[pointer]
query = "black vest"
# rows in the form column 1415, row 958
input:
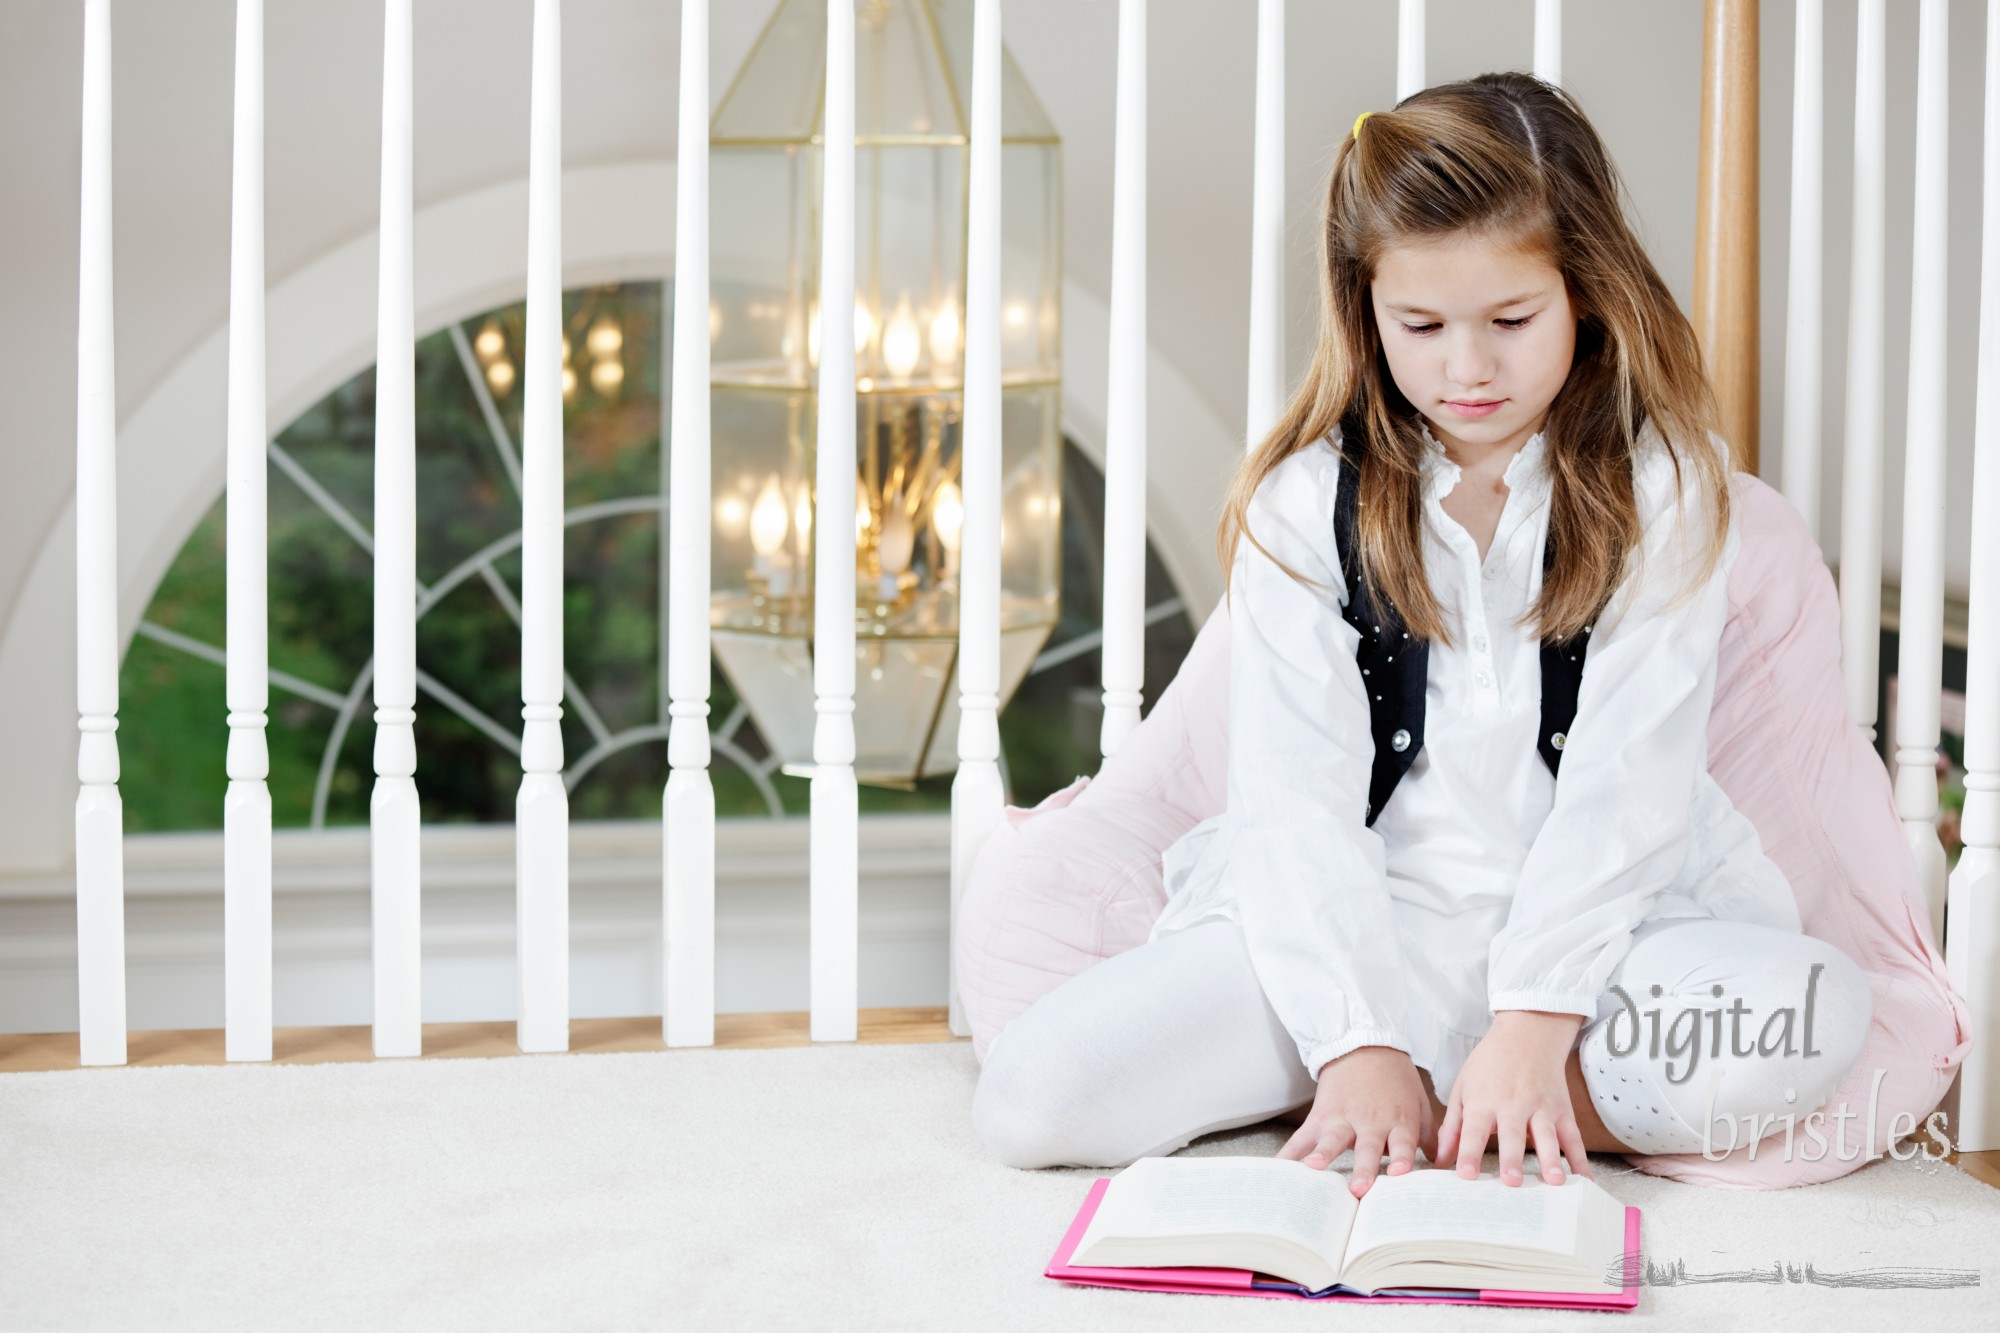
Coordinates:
column 1394, row 666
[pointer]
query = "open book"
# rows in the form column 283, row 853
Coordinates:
column 1423, row 1230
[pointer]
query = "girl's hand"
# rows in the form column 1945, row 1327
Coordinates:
column 1512, row 1084
column 1369, row 1100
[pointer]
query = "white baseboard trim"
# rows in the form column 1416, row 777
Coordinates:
column 320, row 931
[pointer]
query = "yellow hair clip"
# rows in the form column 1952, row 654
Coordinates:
column 1356, row 131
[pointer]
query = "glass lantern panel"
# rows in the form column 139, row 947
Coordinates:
column 1031, row 498
column 902, row 77
column 1021, row 641
column 761, row 520
column 779, row 92
column 1031, row 261
column 909, row 265
column 773, row 679
column 899, row 689
column 760, row 263
column 1021, row 114
column 913, row 68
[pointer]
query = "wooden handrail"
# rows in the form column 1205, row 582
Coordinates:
column 1725, row 236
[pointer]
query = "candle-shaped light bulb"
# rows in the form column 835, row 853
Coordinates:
column 802, row 516
column 948, row 515
column 490, row 342
column 767, row 519
column 714, row 322
column 605, row 337
column 864, row 325
column 901, row 343
column 731, row 514
column 899, row 540
column 944, row 331
column 864, row 518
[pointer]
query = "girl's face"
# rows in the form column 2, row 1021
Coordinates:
column 1479, row 335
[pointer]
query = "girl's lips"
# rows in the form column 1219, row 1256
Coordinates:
column 1475, row 409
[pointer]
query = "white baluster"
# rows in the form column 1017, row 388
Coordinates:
column 1124, row 664
column 1861, row 501
column 1409, row 47
column 977, row 795
column 835, row 831
column 541, row 811
column 1805, row 276
column 1549, row 41
column 688, row 1005
column 100, row 815
column 394, row 818
column 1972, row 948
column 246, row 810
column 1267, row 229
column 1920, row 608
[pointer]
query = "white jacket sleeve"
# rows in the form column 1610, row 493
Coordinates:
column 1618, row 832
column 1307, row 875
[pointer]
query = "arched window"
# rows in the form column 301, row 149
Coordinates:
column 171, row 731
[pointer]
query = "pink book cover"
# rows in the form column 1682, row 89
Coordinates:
column 1242, row 1281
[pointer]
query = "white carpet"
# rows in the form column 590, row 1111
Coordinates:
column 826, row 1187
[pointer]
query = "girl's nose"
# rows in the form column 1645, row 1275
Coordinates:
column 1469, row 362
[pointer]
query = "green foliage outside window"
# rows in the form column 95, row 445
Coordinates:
column 172, row 733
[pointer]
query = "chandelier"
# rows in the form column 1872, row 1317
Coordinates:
column 913, row 58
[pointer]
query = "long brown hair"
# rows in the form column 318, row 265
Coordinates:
column 1509, row 156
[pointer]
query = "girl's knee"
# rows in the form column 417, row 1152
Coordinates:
column 1027, row 1107
column 1841, row 1006
column 1812, row 1006
column 1757, row 1030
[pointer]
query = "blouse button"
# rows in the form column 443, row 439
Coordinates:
column 1558, row 740
column 1483, row 679
column 1479, row 642
column 1493, row 571
column 1401, row 740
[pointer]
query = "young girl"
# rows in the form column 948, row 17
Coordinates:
column 1405, row 932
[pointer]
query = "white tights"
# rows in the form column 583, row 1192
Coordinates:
column 1145, row 1051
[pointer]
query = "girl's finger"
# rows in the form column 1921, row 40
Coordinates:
column 1301, row 1141
column 1402, row 1148
column 1368, row 1145
column 1542, row 1127
column 1427, row 1142
column 1336, row 1139
column 1447, row 1139
column 1471, row 1150
column 1571, row 1139
column 1513, row 1146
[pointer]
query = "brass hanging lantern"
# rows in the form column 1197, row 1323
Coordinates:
column 913, row 58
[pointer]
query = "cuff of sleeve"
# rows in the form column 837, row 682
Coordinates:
column 1316, row 1057
column 1547, row 1001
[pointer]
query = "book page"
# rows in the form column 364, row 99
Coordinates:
column 1203, row 1195
column 1434, row 1205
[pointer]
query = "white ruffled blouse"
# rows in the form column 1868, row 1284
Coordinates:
column 1484, row 884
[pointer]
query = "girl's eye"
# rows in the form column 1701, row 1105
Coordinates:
column 1422, row 330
